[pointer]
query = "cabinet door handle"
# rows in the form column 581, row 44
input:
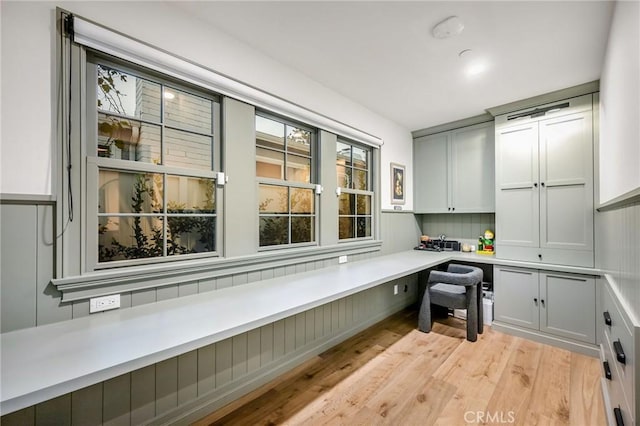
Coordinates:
column 542, row 301
column 535, row 185
column 607, row 370
column 617, row 412
column 541, row 183
column 535, row 300
column 607, row 317
column 539, row 256
column 620, row 356
column 453, row 209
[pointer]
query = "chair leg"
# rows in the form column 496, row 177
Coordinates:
column 424, row 318
column 472, row 313
column 480, row 308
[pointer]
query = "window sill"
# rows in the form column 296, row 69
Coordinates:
column 104, row 282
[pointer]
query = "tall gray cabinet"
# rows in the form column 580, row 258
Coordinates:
column 453, row 171
column 544, row 184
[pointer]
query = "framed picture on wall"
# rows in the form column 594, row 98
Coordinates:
column 397, row 183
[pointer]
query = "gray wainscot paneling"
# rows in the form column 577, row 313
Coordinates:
column 467, row 226
column 184, row 388
column 26, row 268
column 400, row 231
column 618, row 250
column 187, row 387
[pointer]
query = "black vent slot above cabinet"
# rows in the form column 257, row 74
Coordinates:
column 537, row 112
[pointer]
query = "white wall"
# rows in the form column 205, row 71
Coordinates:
column 29, row 83
column 620, row 104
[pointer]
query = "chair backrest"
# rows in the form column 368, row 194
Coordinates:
column 457, row 274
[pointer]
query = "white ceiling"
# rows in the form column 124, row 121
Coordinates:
column 382, row 54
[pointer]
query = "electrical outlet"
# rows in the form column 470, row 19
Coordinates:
column 104, row 303
column 342, row 259
column 395, row 289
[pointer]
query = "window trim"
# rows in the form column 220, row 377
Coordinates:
column 314, row 180
column 93, row 163
column 372, row 191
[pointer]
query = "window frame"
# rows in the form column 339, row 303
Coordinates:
column 371, row 191
column 95, row 163
column 314, row 181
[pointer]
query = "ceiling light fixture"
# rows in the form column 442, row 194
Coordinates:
column 476, row 68
column 473, row 65
column 448, row 28
column 168, row 95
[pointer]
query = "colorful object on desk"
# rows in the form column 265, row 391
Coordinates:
column 485, row 243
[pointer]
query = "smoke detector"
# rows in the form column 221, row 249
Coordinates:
column 448, row 28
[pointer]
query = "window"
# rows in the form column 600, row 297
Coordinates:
column 285, row 173
column 151, row 147
column 353, row 165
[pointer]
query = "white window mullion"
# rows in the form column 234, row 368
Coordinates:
column 136, row 166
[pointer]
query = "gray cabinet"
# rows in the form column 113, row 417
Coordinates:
column 554, row 303
column 516, row 297
column 454, row 171
column 544, row 186
column 431, row 173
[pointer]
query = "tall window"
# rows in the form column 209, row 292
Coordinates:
column 150, row 146
column 353, row 165
column 285, row 172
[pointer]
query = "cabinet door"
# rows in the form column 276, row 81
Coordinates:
column 472, row 169
column 517, row 189
column 515, row 292
column 567, row 306
column 431, row 158
column 566, row 183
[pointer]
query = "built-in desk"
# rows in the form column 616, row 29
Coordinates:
column 44, row 362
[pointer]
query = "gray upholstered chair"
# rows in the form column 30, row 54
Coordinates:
column 460, row 287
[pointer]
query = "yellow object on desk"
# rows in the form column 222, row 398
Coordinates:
column 485, row 252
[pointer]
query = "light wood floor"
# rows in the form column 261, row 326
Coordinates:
column 392, row 374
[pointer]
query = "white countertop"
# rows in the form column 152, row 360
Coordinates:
column 41, row 363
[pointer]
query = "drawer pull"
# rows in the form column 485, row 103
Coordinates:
column 618, row 413
column 607, row 370
column 617, row 346
column 607, row 317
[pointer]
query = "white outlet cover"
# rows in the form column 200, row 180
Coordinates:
column 342, row 259
column 104, row 303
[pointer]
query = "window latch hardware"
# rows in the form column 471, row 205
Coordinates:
column 221, row 179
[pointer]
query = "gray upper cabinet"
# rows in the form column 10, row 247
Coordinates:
column 454, row 171
column 431, row 171
column 544, row 186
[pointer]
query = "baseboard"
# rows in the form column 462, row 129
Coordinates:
column 571, row 345
column 218, row 398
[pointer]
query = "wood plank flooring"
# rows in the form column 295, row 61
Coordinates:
column 392, row 374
